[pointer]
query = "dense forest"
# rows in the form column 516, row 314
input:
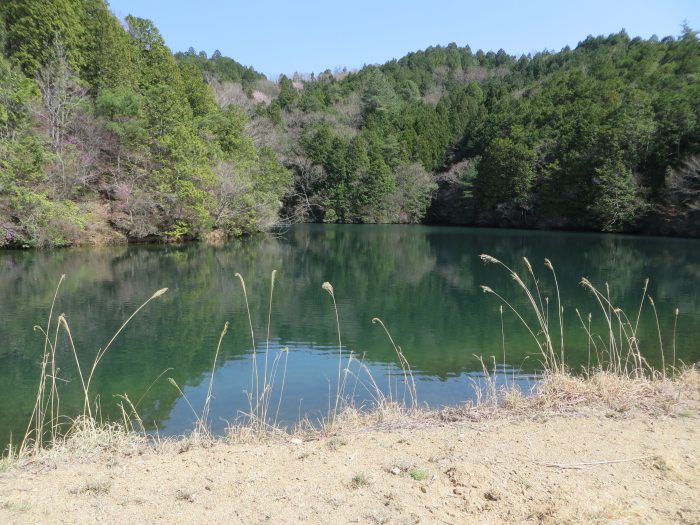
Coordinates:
column 107, row 136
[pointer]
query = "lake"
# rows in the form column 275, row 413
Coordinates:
column 423, row 282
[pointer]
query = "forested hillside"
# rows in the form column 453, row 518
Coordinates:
column 602, row 137
column 106, row 136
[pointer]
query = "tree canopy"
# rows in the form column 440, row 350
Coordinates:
column 105, row 134
column 597, row 137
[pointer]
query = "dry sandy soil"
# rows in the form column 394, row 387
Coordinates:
column 594, row 467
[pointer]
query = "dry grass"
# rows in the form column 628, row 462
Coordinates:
column 617, row 380
column 617, row 350
column 557, row 394
column 359, row 481
column 94, row 487
column 48, row 427
column 606, row 390
column 570, row 469
column 599, row 392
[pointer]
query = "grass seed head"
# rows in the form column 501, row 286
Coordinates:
column 488, row 259
column 159, row 293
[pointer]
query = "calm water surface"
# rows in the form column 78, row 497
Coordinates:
column 423, row 282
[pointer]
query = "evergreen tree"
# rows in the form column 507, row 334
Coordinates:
column 35, row 27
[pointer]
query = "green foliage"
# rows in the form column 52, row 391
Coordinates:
column 23, row 160
column 45, row 223
column 113, row 114
column 618, row 203
column 565, row 139
column 16, row 94
column 605, row 136
column 28, row 216
column 35, row 26
column 248, row 195
column 223, row 68
column 288, row 96
column 122, row 108
column 378, row 95
column 506, row 174
column 182, row 181
column 230, row 132
column 377, row 185
column 408, row 91
column 110, row 53
column 273, row 111
column 271, row 179
column 418, row 474
column 198, row 94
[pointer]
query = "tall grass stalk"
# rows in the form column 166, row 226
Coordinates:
column 621, row 348
column 560, row 308
column 207, row 401
column 549, row 358
column 45, row 426
column 128, row 416
column 408, row 379
column 36, row 420
column 254, row 382
column 617, row 355
column 675, row 325
column 261, row 393
column 328, row 287
column 503, row 340
column 266, row 401
column 101, row 353
column 661, row 342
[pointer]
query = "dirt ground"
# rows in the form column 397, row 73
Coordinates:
column 591, row 468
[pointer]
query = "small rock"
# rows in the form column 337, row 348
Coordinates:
column 492, row 495
column 296, row 441
column 396, row 471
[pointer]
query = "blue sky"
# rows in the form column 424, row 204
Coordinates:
column 280, row 36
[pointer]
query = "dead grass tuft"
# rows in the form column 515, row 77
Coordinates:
column 385, row 415
column 617, row 379
column 185, row 495
column 359, row 481
column 93, row 487
column 563, row 392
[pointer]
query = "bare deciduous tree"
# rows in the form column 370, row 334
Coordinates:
column 62, row 98
column 230, row 192
column 414, row 190
column 683, row 185
column 231, row 93
column 305, row 201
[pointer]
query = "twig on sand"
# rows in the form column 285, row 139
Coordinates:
column 590, row 463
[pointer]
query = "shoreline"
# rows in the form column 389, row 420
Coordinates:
column 114, row 237
column 601, row 450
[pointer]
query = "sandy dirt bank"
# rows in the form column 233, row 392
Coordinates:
column 587, row 468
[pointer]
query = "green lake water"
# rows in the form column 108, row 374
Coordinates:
column 423, row 282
